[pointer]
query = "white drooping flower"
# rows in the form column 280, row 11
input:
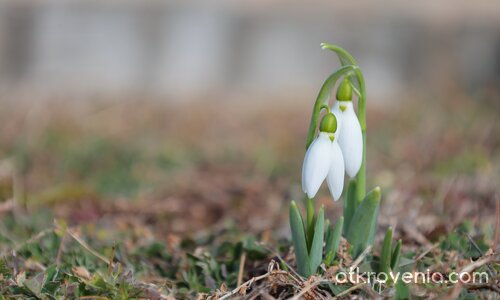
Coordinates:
column 350, row 138
column 324, row 160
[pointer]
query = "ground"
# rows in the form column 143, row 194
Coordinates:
column 138, row 199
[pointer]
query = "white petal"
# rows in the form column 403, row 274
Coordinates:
column 316, row 164
column 350, row 138
column 303, row 169
column 335, row 178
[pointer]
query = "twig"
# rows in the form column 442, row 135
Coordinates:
column 61, row 248
column 467, row 269
column 242, row 268
column 478, row 263
column 481, row 286
column 416, row 235
column 490, row 270
column 306, row 289
column 426, row 252
column 361, row 257
column 351, row 289
column 248, row 283
column 283, row 261
column 87, row 247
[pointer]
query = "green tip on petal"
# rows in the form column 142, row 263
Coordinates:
column 344, row 91
column 328, row 123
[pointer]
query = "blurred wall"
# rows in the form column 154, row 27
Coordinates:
column 188, row 48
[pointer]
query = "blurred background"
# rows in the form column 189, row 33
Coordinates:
column 187, row 114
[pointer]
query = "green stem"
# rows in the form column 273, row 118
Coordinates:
column 346, row 59
column 323, row 97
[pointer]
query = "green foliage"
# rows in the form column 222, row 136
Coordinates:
column 310, row 257
column 202, row 265
column 333, row 240
column 350, row 204
column 386, row 253
column 458, row 240
column 316, row 250
column 402, row 290
column 360, row 229
column 396, row 255
column 299, row 240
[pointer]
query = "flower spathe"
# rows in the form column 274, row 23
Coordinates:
column 350, row 138
column 323, row 160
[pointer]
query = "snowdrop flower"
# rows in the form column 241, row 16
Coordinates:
column 350, row 138
column 324, row 160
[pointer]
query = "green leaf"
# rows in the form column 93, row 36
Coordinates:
column 350, row 204
column 386, row 252
column 361, row 225
column 396, row 255
column 299, row 241
column 332, row 243
column 5, row 271
column 402, row 290
column 373, row 227
column 316, row 253
column 309, row 226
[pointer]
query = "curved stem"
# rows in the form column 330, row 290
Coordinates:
column 347, row 59
column 323, row 96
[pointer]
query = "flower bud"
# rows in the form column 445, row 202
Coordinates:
column 328, row 123
column 344, row 91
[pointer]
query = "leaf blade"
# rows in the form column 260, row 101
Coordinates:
column 333, row 241
column 361, row 225
column 386, row 252
column 299, row 240
column 316, row 253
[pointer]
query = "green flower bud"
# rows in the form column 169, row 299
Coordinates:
column 344, row 91
column 328, row 123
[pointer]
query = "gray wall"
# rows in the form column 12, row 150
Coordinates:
column 185, row 48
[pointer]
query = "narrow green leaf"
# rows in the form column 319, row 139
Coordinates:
column 332, row 243
column 385, row 253
column 350, row 204
column 328, row 229
column 299, row 241
column 316, row 253
column 309, row 227
column 373, row 227
column 362, row 221
column 402, row 290
column 395, row 255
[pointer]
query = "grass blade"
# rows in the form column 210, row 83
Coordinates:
column 332, row 243
column 373, row 226
column 316, row 253
column 299, row 241
column 386, row 252
column 395, row 255
column 402, row 290
column 360, row 228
